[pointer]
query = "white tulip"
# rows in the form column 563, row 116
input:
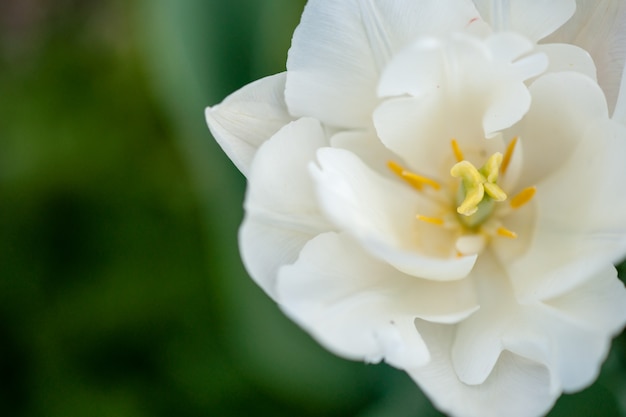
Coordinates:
column 439, row 184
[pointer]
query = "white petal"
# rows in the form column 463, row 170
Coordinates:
column 598, row 304
column 281, row 209
column 366, row 145
column 564, row 57
column 340, row 47
column 598, row 27
column 463, row 88
column 381, row 215
column 361, row 308
column 517, row 387
column 534, row 18
column 580, row 226
column 563, row 105
column 619, row 114
column 582, row 323
column 249, row 117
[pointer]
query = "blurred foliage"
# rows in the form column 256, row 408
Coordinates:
column 121, row 290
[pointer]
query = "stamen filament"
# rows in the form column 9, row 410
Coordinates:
column 504, row 232
column 508, row 154
column 432, row 220
column 523, row 197
column 416, row 181
column 458, row 153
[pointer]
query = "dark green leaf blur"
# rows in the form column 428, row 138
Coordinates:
column 121, row 289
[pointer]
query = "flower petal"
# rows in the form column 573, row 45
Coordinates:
column 597, row 26
column 565, row 57
column 361, row 308
column 534, row 18
column 249, row 117
column 563, row 106
column 340, row 47
column 381, row 215
column 517, row 387
column 572, row 240
column 581, row 324
column 462, row 88
column 281, row 209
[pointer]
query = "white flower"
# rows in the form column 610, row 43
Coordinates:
column 432, row 185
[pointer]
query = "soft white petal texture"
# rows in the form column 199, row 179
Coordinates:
column 462, row 88
column 249, row 117
column 565, row 57
column 563, row 105
column 380, row 214
column 598, row 27
column 281, row 209
column 619, row 114
column 574, row 237
column 557, row 333
column 534, row 18
column 362, row 308
column 517, row 387
column 340, row 47
column 367, row 146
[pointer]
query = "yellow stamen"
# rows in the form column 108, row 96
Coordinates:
column 458, row 154
column 416, row 181
column 432, row 220
column 523, row 197
column 504, row 232
column 477, row 183
column 508, row 154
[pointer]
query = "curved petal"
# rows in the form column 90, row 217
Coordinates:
column 535, row 19
column 340, row 47
column 581, row 324
column 563, row 106
column 367, row 146
column 517, row 387
column 462, row 88
column 381, row 215
column 598, row 27
column 361, row 308
column 572, row 238
column 564, row 57
column 282, row 213
column 249, row 117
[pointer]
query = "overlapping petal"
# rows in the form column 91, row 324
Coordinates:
column 249, row 117
column 363, row 308
column 380, row 214
column 598, row 27
column 282, row 213
column 534, row 18
column 340, row 48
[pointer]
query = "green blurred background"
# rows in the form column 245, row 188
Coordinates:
column 121, row 289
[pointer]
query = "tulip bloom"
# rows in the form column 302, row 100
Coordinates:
column 439, row 184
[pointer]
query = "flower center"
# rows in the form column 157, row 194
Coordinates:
column 474, row 220
column 478, row 191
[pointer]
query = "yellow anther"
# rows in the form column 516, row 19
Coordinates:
column 508, row 154
column 504, row 232
column 523, row 197
column 458, row 154
column 432, row 220
column 416, row 181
